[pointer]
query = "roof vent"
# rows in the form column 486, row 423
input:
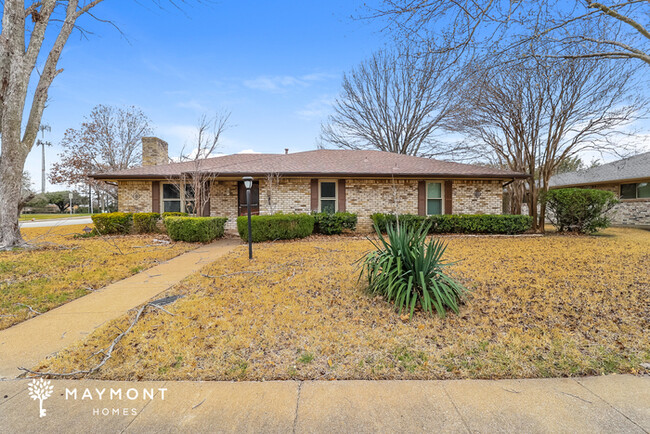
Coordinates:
column 286, row 151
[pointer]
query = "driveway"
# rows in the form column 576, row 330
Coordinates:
column 68, row 221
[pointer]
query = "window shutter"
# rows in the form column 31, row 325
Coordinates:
column 422, row 198
column 341, row 194
column 314, row 194
column 155, row 196
column 448, row 191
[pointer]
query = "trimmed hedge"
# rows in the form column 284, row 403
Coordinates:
column 579, row 209
column 276, row 227
column 174, row 214
column 331, row 224
column 195, row 229
column 460, row 223
column 146, row 222
column 113, row 223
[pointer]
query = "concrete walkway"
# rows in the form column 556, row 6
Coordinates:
column 618, row 403
column 46, row 223
column 29, row 342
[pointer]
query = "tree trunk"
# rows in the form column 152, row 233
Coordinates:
column 10, row 189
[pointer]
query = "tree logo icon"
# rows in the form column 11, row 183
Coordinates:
column 40, row 389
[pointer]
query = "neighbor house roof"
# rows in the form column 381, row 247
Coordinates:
column 321, row 162
column 636, row 167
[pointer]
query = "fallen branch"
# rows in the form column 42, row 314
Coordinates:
column 34, row 311
column 107, row 354
column 268, row 270
column 234, row 274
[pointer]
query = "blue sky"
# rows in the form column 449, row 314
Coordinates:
column 276, row 65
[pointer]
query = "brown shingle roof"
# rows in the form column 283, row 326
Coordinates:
column 322, row 162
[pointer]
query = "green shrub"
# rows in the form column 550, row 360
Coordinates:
column 146, row 222
column 409, row 220
column 408, row 271
column 330, row 224
column 459, row 224
column 195, row 229
column 276, row 227
column 113, row 223
column 174, row 214
column 579, row 209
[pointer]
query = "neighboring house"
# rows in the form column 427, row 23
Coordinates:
column 361, row 182
column 628, row 178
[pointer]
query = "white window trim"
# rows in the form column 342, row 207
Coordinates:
column 336, row 194
column 442, row 196
column 181, row 186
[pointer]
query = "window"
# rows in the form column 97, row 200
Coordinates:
column 328, row 197
column 635, row 191
column 171, row 198
column 434, row 198
column 178, row 200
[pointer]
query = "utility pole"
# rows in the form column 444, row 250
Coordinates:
column 43, row 144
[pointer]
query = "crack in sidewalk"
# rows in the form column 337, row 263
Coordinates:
column 295, row 419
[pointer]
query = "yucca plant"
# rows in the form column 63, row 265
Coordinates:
column 408, row 270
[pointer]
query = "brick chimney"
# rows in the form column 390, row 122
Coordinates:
column 154, row 151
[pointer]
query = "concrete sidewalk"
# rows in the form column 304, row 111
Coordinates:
column 45, row 223
column 617, row 403
column 29, row 342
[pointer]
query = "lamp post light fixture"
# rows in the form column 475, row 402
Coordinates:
column 248, row 183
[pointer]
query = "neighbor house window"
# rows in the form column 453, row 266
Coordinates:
column 328, row 196
column 639, row 190
column 176, row 199
column 434, row 198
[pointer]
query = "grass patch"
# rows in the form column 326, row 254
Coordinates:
column 539, row 307
column 64, row 268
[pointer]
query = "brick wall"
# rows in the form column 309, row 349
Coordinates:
column 224, row 201
column 365, row 197
column 134, row 196
column 477, row 197
column 289, row 195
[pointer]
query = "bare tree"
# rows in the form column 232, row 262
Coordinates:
column 396, row 101
column 535, row 115
column 272, row 186
column 468, row 25
column 209, row 131
column 109, row 139
column 22, row 44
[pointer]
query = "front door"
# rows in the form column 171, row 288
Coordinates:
column 255, row 198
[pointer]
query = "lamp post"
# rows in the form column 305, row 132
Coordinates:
column 248, row 183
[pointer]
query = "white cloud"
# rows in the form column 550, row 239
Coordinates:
column 316, row 109
column 192, row 104
column 281, row 83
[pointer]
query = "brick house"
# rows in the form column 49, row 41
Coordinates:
column 628, row 178
column 362, row 182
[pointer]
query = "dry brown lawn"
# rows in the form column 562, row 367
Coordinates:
column 540, row 307
column 62, row 268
